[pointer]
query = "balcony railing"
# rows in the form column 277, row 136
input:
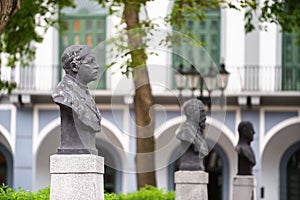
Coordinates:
column 242, row 79
column 260, row 78
column 43, row 78
column 38, row 78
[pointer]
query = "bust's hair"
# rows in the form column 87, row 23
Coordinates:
column 73, row 55
column 193, row 106
column 243, row 127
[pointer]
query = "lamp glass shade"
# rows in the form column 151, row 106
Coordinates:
column 223, row 81
column 211, row 83
column 223, row 77
column 180, row 81
column 193, row 80
column 210, row 80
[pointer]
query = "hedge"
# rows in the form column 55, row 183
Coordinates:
column 146, row 193
column 7, row 193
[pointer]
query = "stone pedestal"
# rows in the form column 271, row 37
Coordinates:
column 76, row 176
column 244, row 187
column 191, row 185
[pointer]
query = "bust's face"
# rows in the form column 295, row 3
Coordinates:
column 88, row 70
column 250, row 133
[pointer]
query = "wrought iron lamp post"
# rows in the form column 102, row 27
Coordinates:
column 224, row 76
column 212, row 80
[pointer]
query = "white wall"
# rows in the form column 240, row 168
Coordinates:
column 271, row 157
column 46, row 60
column 233, row 45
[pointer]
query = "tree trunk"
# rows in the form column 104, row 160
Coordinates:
column 143, row 101
column 7, row 9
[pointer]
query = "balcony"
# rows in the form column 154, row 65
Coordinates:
column 249, row 81
column 257, row 78
column 37, row 79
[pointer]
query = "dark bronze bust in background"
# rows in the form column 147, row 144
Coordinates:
column 80, row 117
column 191, row 135
column 246, row 156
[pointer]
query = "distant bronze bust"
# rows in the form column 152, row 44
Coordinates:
column 80, row 117
column 191, row 135
column 246, row 156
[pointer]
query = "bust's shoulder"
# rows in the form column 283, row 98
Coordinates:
column 64, row 91
column 187, row 126
column 186, row 131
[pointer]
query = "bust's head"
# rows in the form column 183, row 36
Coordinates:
column 246, row 131
column 79, row 62
column 194, row 110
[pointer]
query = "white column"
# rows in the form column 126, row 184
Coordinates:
column 76, row 177
column 191, row 185
column 244, row 187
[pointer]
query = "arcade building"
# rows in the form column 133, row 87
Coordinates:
column 263, row 87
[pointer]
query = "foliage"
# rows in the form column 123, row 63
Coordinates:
column 110, row 196
column 184, row 10
column 146, row 193
column 27, row 26
column 24, row 29
column 285, row 13
column 7, row 193
column 6, row 85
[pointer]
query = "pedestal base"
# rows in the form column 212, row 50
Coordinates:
column 76, row 177
column 244, row 187
column 191, row 185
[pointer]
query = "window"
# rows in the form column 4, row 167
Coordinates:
column 208, row 32
column 86, row 25
column 290, row 62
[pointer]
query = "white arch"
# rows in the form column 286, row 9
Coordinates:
column 274, row 145
column 56, row 122
column 211, row 121
column 43, row 133
column 8, row 138
column 165, row 150
column 39, row 138
column 116, row 131
column 272, row 132
column 222, row 127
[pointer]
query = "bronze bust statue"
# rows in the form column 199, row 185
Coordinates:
column 246, row 156
column 80, row 117
column 191, row 135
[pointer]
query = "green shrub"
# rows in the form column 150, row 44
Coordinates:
column 7, row 193
column 110, row 196
column 146, row 193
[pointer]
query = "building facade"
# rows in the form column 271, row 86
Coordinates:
column 263, row 88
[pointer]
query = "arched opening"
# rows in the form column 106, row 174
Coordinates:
column 48, row 147
column 6, row 166
column 290, row 173
column 293, row 177
column 112, row 176
column 216, row 164
column 219, row 137
column 282, row 135
column 3, row 169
